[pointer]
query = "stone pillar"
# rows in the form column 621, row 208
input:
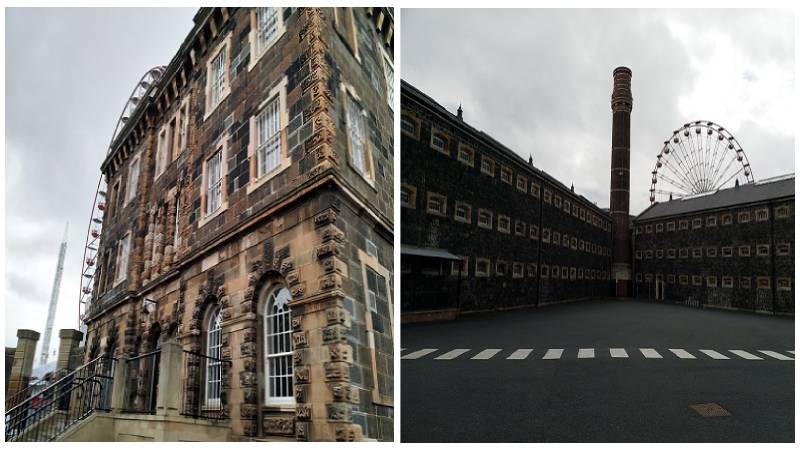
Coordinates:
column 170, row 379
column 69, row 340
column 23, row 361
column 119, row 387
column 621, row 106
column 9, row 362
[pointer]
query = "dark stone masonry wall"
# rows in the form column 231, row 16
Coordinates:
column 708, row 263
column 537, row 207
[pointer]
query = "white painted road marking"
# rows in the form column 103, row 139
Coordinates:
column 682, row 354
column 553, row 353
column 618, row 353
column 585, row 353
column 521, row 353
column 488, row 353
column 776, row 355
column 791, row 351
column 419, row 353
column 452, row 354
column 715, row 355
column 649, row 353
column 744, row 354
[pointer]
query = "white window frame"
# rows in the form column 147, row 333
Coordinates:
column 123, row 253
column 358, row 145
column 220, row 61
column 161, row 152
column 258, row 46
column 277, row 308
column 214, row 203
column 133, row 179
column 268, row 138
column 388, row 76
column 212, row 382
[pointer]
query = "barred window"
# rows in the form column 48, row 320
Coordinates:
column 684, row 279
column 213, row 380
column 566, row 206
column 545, row 271
column 557, row 201
column 505, row 174
column 279, row 365
column 744, row 217
column 547, row 196
column 671, row 278
column 266, row 28
column 648, row 254
column 763, row 283
column 671, row 253
column 556, row 238
column 783, row 249
column 409, row 126
column 697, row 223
column 697, row 280
column 744, row 250
column 554, row 272
column 503, row 224
column 727, row 219
column 535, row 189
column 744, row 282
column 463, row 264
column 782, row 212
column 437, row 204
column 500, row 268
column 522, row 183
column 659, row 227
column 711, row 281
column 268, row 137
column 711, row 221
column 531, row 270
column 564, row 272
column 466, row 155
column 711, row 252
column 727, row 252
column 762, row 250
column 638, row 254
column 487, row 165
column 357, row 136
column 659, row 254
column 463, row 212
column 683, row 225
column 518, row 270
column 484, row 219
column 727, row 282
column 408, row 196
column 648, row 229
column 670, row 226
column 683, row 253
column 762, row 215
column 546, row 235
column 534, row 232
column 784, row 284
column 217, row 77
column 214, row 182
column 482, row 267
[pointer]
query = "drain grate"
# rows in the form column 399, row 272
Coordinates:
column 710, row 410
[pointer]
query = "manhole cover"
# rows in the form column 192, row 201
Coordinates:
column 710, row 410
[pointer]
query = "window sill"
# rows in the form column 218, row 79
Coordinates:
column 257, row 183
column 210, row 111
column 210, row 217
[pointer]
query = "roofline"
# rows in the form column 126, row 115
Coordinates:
column 407, row 88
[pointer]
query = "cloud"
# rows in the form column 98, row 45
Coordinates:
column 540, row 81
column 68, row 75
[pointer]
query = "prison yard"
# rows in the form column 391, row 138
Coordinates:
column 600, row 370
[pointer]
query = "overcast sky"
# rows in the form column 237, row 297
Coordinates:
column 540, row 82
column 68, row 75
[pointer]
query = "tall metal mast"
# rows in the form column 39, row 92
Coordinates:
column 51, row 313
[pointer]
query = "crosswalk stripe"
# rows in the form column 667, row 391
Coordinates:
column 521, row 353
column 487, row 354
column 618, row 353
column 744, row 354
column 715, row 355
column 776, row 355
column 553, row 353
column 682, row 354
column 452, row 354
column 585, row 353
column 650, row 353
column 419, row 353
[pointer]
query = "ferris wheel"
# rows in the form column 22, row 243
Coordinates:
column 99, row 204
column 699, row 157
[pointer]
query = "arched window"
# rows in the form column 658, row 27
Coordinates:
column 278, row 350
column 213, row 383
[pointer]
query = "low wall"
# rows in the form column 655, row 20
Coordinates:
column 108, row 427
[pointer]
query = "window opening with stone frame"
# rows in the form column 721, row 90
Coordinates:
column 268, row 138
column 122, row 258
column 183, row 126
column 267, row 21
column 357, row 135
column 214, row 182
column 213, row 365
column 278, row 348
column 217, row 77
column 133, row 180
column 176, row 234
column 161, row 153
column 407, row 126
column 388, row 76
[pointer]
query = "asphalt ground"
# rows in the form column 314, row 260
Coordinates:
column 601, row 398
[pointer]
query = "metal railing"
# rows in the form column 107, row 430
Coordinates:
column 205, row 388
column 23, row 394
column 48, row 413
column 141, row 383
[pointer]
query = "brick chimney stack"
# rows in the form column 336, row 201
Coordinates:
column 621, row 106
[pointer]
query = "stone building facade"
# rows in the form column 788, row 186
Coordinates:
column 484, row 229
column 249, row 219
column 732, row 249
